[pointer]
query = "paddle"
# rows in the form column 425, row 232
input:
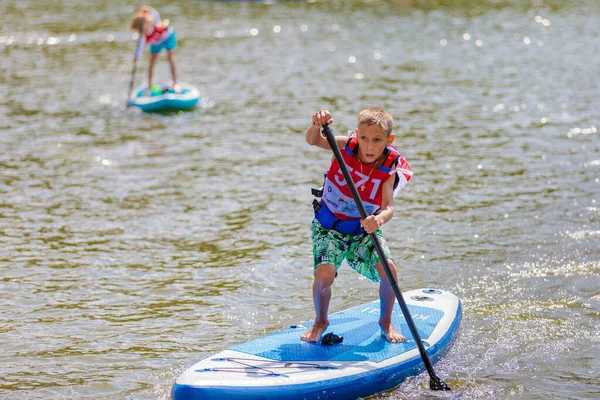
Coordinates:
column 435, row 383
column 132, row 79
column 131, row 84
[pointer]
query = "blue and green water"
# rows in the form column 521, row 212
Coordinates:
column 133, row 245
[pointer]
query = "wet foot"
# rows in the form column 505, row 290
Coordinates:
column 314, row 333
column 391, row 334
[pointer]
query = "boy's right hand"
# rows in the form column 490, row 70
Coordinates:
column 321, row 118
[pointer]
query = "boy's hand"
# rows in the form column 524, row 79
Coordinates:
column 371, row 223
column 321, row 118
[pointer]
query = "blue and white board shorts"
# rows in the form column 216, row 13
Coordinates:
column 333, row 247
column 168, row 44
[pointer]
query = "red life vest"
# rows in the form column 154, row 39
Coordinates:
column 158, row 34
column 336, row 193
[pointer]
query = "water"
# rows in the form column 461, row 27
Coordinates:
column 134, row 245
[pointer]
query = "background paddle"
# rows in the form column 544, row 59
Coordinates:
column 132, row 79
column 435, row 383
column 131, row 84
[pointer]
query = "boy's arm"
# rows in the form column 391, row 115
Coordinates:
column 374, row 222
column 155, row 17
column 140, row 47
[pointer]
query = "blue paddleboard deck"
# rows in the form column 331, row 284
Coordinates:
column 281, row 365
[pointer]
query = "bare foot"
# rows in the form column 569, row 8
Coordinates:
column 391, row 334
column 314, row 333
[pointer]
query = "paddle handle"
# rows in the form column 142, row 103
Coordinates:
column 435, row 382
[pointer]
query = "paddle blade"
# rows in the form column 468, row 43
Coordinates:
column 436, row 383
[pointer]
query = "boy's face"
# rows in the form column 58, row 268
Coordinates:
column 372, row 140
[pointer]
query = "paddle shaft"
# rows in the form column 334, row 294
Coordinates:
column 131, row 83
column 435, row 382
column 132, row 79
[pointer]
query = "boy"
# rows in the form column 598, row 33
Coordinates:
column 158, row 35
column 379, row 173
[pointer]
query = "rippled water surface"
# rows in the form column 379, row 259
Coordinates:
column 133, row 245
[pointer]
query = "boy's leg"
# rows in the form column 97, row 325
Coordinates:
column 363, row 258
column 173, row 68
column 329, row 248
column 324, row 277
column 387, row 298
column 153, row 57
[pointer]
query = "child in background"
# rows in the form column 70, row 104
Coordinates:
column 159, row 36
column 379, row 172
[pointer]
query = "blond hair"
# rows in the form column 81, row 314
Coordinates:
column 138, row 22
column 376, row 116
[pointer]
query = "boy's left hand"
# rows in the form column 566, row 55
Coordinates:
column 370, row 224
